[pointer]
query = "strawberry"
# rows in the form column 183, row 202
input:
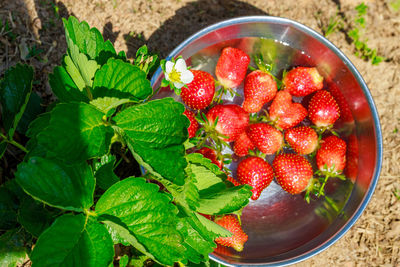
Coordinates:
column 206, row 216
column 303, row 81
column 192, row 129
column 242, row 145
column 211, row 155
column 331, row 156
column 238, row 238
column 303, row 139
column 323, row 110
column 200, row 92
column 293, row 172
column 232, row 120
column 265, row 137
column 345, row 112
column 351, row 169
column 232, row 67
column 284, row 112
column 256, row 172
column 259, row 88
column 232, row 180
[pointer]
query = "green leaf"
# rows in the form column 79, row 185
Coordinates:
column 207, row 175
column 216, row 229
column 76, row 132
column 153, row 223
column 8, row 209
column 63, row 186
column 34, row 217
column 15, row 90
column 121, row 234
column 64, row 87
column 215, row 196
column 155, row 132
column 123, row 261
column 187, row 195
column 16, row 189
column 105, row 176
column 226, row 201
column 145, row 61
column 72, row 240
column 12, row 248
column 36, row 126
column 199, row 242
column 121, row 80
column 33, row 109
column 79, row 67
column 107, row 103
column 89, row 40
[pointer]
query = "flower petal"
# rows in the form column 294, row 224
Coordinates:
column 168, row 66
column 178, row 85
column 180, row 65
column 167, row 76
column 187, row 76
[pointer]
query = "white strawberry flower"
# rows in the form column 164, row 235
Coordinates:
column 178, row 73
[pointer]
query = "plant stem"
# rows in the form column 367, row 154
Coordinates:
column 89, row 93
column 14, row 143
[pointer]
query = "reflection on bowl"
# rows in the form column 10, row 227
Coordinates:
column 284, row 229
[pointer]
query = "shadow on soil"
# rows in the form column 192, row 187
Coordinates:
column 187, row 21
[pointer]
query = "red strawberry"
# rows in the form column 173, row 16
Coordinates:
column 232, row 67
column 284, row 112
column 351, row 169
column 303, row 81
column 238, row 238
column 259, row 89
column 211, row 155
column 233, row 181
column 265, row 137
column 303, row 139
column 206, row 216
column 242, row 145
column 331, row 156
column 200, row 92
column 345, row 113
column 256, row 172
column 323, row 109
column 194, row 125
column 293, row 172
column 232, row 120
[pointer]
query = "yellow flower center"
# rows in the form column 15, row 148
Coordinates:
column 175, row 76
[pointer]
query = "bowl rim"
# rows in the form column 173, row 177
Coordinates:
column 366, row 91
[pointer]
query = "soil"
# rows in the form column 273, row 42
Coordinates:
column 163, row 24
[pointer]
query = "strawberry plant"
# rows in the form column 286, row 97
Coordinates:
column 362, row 49
column 64, row 205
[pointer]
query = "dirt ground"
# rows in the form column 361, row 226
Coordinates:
column 162, row 24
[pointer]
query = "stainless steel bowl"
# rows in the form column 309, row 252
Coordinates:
column 284, row 229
